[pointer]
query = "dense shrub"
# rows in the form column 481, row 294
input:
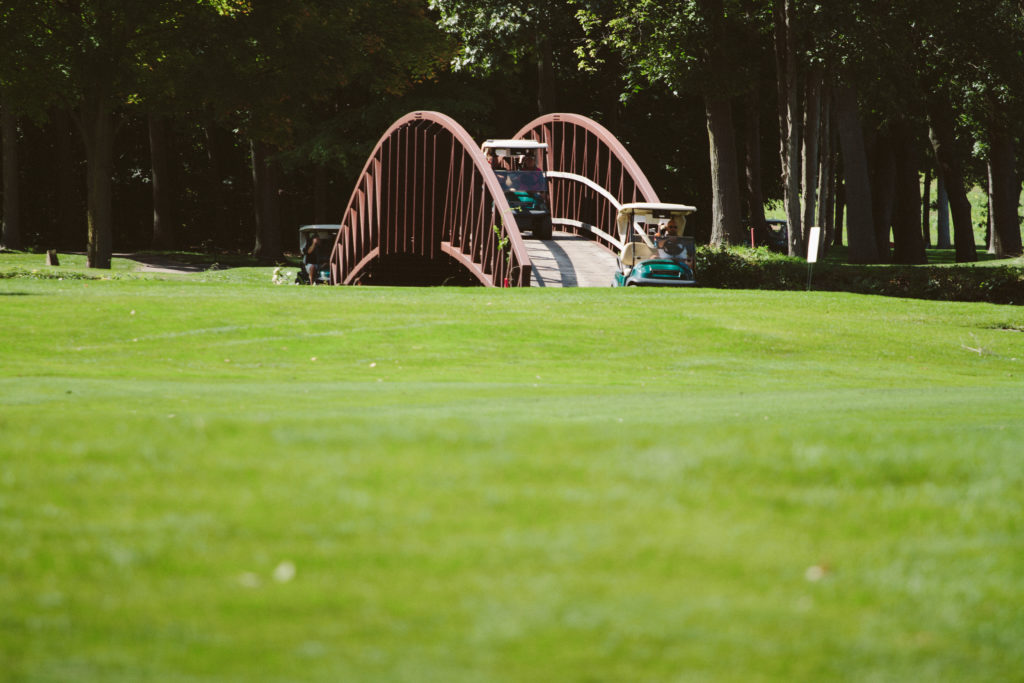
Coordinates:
column 762, row 269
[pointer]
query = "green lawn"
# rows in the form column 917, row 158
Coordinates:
column 208, row 477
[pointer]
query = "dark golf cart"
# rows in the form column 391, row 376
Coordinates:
column 777, row 238
column 327, row 234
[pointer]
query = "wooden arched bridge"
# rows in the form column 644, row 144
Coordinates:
column 427, row 195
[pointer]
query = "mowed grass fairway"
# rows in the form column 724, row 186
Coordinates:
column 214, row 478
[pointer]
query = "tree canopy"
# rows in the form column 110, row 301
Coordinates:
column 834, row 110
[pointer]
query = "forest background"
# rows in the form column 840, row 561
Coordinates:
column 225, row 124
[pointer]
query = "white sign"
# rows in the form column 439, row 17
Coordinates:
column 812, row 245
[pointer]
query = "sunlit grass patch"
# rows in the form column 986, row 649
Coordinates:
column 232, row 480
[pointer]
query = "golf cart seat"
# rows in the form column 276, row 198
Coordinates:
column 634, row 252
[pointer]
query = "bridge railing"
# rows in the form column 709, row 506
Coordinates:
column 591, row 175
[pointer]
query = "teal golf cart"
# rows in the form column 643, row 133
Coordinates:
column 517, row 164
column 654, row 253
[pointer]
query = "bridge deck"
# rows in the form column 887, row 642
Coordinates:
column 570, row 261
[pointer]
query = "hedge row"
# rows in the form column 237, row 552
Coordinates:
column 761, row 269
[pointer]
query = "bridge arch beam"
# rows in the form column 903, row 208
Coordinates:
column 427, row 190
column 590, row 175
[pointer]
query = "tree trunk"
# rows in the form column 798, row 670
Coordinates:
column 97, row 124
column 826, row 185
column 926, row 200
column 214, row 205
column 70, row 207
column 11, row 233
column 259, row 183
column 1004, row 195
column 883, row 192
column 755, row 191
column 993, row 244
column 860, row 231
column 547, row 99
column 789, row 131
column 272, row 212
column 609, row 99
column 267, row 235
column 943, row 140
column 163, row 225
column 725, row 191
column 941, row 214
column 320, row 194
column 812, row 131
column 906, row 225
column 840, row 212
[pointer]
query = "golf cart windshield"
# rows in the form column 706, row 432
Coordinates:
column 650, row 216
column 522, row 181
column 326, row 232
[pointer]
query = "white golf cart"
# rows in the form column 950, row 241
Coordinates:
column 655, row 253
column 516, row 163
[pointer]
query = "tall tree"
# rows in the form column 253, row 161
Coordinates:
column 811, row 137
column 11, row 233
column 160, row 179
column 950, row 169
column 790, row 130
column 996, row 101
column 906, row 225
column 26, row 80
column 95, row 55
column 1004, row 190
column 283, row 63
column 524, row 31
column 698, row 45
column 755, row 187
column 860, row 231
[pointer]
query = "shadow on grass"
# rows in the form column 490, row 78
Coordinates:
column 197, row 262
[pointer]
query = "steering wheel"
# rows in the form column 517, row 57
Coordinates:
column 673, row 246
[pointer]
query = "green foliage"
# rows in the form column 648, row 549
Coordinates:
column 503, row 242
column 686, row 45
column 762, row 269
column 490, row 31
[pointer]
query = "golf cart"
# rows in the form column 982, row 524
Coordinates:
column 777, row 238
column 326, row 233
column 652, row 256
column 515, row 163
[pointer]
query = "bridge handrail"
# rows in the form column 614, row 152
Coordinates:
column 589, row 183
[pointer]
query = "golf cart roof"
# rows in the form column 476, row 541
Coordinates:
column 656, row 210
column 324, row 230
column 320, row 227
column 650, row 212
column 518, row 145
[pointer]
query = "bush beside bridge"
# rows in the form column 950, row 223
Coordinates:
column 1000, row 282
